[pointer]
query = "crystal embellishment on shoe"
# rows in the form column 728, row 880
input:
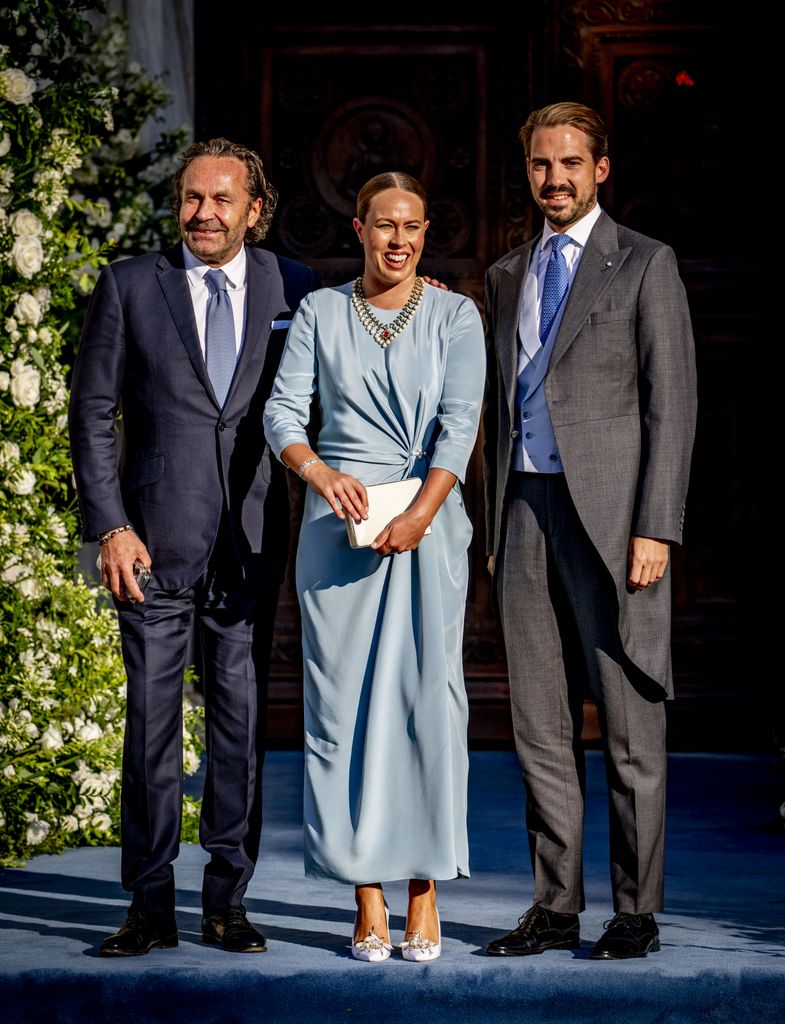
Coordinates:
column 373, row 948
column 418, row 949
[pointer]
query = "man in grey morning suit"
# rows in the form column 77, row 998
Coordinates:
column 186, row 343
column 589, row 423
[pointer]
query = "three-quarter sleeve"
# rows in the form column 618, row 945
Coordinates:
column 287, row 411
column 462, row 391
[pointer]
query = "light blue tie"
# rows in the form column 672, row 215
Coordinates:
column 220, row 342
column 557, row 278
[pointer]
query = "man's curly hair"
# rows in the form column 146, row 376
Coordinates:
column 257, row 184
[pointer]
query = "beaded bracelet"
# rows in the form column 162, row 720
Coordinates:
column 113, row 533
column 308, row 462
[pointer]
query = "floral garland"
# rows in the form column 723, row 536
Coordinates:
column 70, row 113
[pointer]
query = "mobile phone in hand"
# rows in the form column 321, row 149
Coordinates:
column 141, row 578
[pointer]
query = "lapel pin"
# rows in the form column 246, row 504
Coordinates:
column 609, row 263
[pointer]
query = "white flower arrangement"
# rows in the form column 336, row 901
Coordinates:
column 62, row 683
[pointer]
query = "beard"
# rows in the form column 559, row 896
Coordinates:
column 569, row 213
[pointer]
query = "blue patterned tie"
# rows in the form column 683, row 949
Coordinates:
column 220, row 342
column 555, row 288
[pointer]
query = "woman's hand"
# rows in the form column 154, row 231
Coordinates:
column 342, row 492
column 404, row 533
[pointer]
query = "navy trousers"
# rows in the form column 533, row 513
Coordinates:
column 235, row 618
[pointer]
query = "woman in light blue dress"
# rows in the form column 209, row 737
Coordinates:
column 397, row 368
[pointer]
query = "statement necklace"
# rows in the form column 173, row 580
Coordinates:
column 381, row 332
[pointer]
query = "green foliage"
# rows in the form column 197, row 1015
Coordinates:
column 70, row 114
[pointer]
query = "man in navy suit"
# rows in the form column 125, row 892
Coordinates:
column 184, row 345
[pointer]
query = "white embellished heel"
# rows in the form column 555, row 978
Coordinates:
column 418, row 949
column 372, row 948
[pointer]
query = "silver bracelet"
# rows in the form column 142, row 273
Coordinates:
column 104, row 538
column 308, row 462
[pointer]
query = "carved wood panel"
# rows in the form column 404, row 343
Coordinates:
column 330, row 104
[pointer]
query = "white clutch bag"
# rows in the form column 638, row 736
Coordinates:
column 385, row 502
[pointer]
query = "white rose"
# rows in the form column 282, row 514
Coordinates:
column 82, row 812
column 22, row 482
column 30, row 587
column 28, row 309
column 37, row 831
column 25, row 384
column 89, row 731
column 9, row 771
column 70, row 823
column 5, row 144
column 5, row 380
column 9, row 452
column 52, row 738
column 16, row 86
column 27, row 255
column 12, row 572
column 101, row 822
column 25, row 222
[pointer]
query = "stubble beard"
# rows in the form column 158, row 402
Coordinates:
column 569, row 215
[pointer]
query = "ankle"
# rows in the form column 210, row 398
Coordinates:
column 420, row 888
column 368, row 895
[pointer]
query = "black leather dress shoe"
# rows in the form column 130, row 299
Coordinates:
column 141, row 933
column 233, row 932
column 539, row 929
column 627, row 936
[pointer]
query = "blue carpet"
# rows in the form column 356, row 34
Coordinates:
column 723, row 955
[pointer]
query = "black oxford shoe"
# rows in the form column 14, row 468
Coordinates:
column 232, row 931
column 627, row 936
column 141, row 933
column 539, row 929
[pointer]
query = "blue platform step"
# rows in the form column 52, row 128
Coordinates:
column 723, row 932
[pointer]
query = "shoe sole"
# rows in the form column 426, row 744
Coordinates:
column 209, row 940
column 169, row 943
column 570, row 944
column 655, row 947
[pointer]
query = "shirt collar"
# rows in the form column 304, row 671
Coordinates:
column 235, row 269
column 579, row 231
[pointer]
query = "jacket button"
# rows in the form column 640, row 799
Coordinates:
column 554, row 458
column 527, row 415
column 513, row 434
column 222, row 425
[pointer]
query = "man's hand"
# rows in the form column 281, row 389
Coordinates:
column 435, row 284
column 646, row 561
column 117, row 565
column 491, row 564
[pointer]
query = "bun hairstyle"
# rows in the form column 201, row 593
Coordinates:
column 383, row 182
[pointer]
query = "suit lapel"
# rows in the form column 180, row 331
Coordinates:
column 264, row 299
column 509, row 304
column 600, row 263
column 174, row 284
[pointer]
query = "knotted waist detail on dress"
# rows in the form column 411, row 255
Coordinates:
column 409, row 461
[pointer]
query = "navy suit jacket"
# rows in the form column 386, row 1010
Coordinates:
column 184, row 458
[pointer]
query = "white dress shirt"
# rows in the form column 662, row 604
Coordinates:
column 236, row 273
column 534, row 447
column 579, row 233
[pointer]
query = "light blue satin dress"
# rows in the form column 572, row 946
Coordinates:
column 386, row 762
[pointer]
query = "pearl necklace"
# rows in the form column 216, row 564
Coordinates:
column 381, row 332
